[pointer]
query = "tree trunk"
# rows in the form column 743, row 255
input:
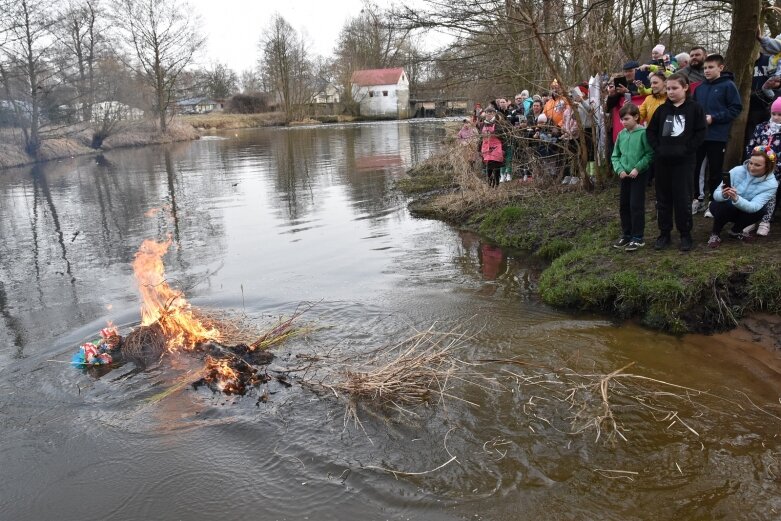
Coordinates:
column 741, row 53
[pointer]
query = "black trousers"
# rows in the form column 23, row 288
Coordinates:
column 493, row 172
column 725, row 212
column 714, row 151
column 631, row 206
column 674, row 195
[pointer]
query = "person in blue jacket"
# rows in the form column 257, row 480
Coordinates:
column 720, row 99
column 751, row 186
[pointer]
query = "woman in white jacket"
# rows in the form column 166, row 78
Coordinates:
column 743, row 201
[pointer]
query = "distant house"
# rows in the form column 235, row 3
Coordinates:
column 327, row 92
column 382, row 92
column 196, row 106
column 114, row 110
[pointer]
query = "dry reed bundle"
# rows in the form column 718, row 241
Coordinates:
column 598, row 403
column 417, row 371
column 238, row 329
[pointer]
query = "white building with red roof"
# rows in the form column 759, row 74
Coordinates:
column 382, row 93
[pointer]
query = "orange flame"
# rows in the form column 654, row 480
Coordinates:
column 163, row 305
column 222, row 374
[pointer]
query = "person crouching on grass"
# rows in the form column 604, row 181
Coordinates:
column 743, row 201
column 675, row 132
column 768, row 133
column 631, row 157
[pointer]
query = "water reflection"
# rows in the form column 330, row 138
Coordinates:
column 72, row 227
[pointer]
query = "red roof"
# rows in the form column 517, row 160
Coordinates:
column 377, row 77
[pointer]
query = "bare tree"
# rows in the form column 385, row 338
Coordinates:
column 740, row 58
column 219, row 81
column 250, row 81
column 79, row 32
column 164, row 37
column 25, row 44
column 287, row 67
column 374, row 40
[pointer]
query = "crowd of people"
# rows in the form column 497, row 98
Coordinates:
column 666, row 123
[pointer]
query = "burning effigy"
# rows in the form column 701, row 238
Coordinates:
column 169, row 324
column 236, row 355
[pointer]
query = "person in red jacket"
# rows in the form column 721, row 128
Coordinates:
column 493, row 145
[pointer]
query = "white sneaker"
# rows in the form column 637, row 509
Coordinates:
column 566, row 180
column 708, row 215
column 763, row 229
column 574, row 180
column 750, row 228
column 695, row 207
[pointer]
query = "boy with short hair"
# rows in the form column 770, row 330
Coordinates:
column 631, row 158
column 720, row 99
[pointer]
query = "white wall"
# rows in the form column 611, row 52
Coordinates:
column 374, row 101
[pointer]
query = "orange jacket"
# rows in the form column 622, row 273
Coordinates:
column 554, row 110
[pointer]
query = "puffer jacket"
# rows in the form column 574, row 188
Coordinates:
column 753, row 192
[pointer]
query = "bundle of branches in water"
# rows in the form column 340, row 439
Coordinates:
column 239, row 329
column 417, row 371
column 576, row 403
column 144, row 344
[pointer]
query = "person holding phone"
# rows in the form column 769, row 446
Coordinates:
column 768, row 133
column 743, row 194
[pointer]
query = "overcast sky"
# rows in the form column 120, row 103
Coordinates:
column 233, row 27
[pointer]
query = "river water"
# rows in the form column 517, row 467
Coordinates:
column 264, row 220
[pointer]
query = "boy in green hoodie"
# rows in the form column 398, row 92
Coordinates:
column 631, row 158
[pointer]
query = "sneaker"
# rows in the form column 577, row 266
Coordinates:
column 621, row 243
column 574, row 180
column 695, row 207
column 750, row 228
column 566, row 180
column 635, row 244
column 745, row 237
column 707, row 214
column 714, row 241
column 662, row 242
column 763, row 229
column 686, row 243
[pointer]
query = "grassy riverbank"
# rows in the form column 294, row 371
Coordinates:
column 701, row 291
column 76, row 139
column 225, row 121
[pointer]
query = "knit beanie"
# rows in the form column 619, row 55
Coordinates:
column 776, row 106
column 658, row 48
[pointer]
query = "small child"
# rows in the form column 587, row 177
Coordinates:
column 492, row 146
column 768, row 134
column 631, row 158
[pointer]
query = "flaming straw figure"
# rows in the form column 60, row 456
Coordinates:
column 163, row 305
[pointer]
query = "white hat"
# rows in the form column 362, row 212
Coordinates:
column 542, row 118
column 658, row 49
